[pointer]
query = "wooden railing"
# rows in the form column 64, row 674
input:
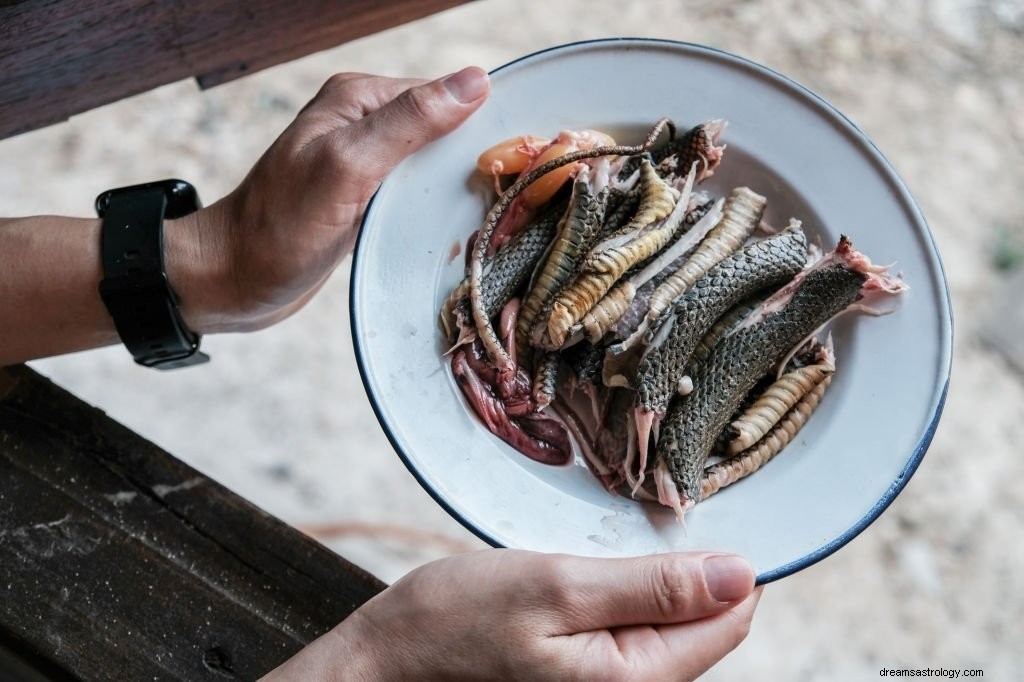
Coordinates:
column 61, row 57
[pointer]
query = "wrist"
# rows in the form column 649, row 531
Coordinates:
column 343, row 654
column 197, row 268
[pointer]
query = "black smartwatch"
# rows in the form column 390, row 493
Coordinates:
column 135, row 288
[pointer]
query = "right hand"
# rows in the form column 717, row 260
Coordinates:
column 516, row 615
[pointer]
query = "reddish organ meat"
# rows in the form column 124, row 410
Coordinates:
column 515, row 394
column 537, row 436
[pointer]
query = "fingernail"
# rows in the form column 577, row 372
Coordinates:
column 728, row 577
column 467, row 85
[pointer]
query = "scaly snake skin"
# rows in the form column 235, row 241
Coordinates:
column 694, row 422
column 767, row 263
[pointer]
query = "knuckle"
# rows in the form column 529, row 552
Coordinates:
column 673, row 588
column 339, row 82
column 340, row 95
column 418, row 591
column 556, row 581
column 417, row 103
column 420, row 107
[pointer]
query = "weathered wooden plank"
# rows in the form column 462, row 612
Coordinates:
column 118, row 561
column 61, row 57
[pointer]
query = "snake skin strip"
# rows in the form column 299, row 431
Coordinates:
column 576, row 234
column 620, row 209
column 545, row 376
column 741, row 215
column 506, row 272
column 628, row 320
column 602, row 269
column 492, row 344
column 698, row 145
column 693, row 423
column 725, row 325
column 741, row 465
column 657, row 199
column 772, row 405
column 763, row 264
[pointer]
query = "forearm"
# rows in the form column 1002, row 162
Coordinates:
column 256, row 256
column 50, row 271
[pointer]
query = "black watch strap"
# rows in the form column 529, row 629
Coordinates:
column 135, row 288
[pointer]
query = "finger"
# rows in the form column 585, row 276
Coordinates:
column 681, row 651
column 590, row 594
column 348, row 97
column 417, row 116
column 688, row 650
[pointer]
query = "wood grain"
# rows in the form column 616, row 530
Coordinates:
column 118, row 561
column 62, row 57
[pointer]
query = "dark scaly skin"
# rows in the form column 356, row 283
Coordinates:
column 767, row 263
column 579, row 232
column 585, row 359
column 545, row 375
column 621, row 207
column 692, row 146
column 740, row 216
column 696, row 213
column 719, row 330
column 506, row 271
column 512, row 265
column 481, row 247
column 615, row 198
column 693, row 422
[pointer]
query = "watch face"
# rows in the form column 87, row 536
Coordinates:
column 182, row 197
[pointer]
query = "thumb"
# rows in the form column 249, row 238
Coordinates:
column 417, row 116
column 652, row 590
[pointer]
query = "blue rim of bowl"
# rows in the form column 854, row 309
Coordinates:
column 947, row 340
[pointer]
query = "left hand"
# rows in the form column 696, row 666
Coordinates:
column 258, row 255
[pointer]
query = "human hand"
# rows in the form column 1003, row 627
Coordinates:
column 515, row 615
column 260, row 254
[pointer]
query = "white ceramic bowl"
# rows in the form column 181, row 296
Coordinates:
column 858, row 450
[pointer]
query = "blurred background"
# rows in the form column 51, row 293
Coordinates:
column 281, row 418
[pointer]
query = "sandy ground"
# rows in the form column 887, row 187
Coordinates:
column 281, row 416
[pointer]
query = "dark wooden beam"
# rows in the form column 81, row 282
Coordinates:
column 62, row 57
column 118, row 561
